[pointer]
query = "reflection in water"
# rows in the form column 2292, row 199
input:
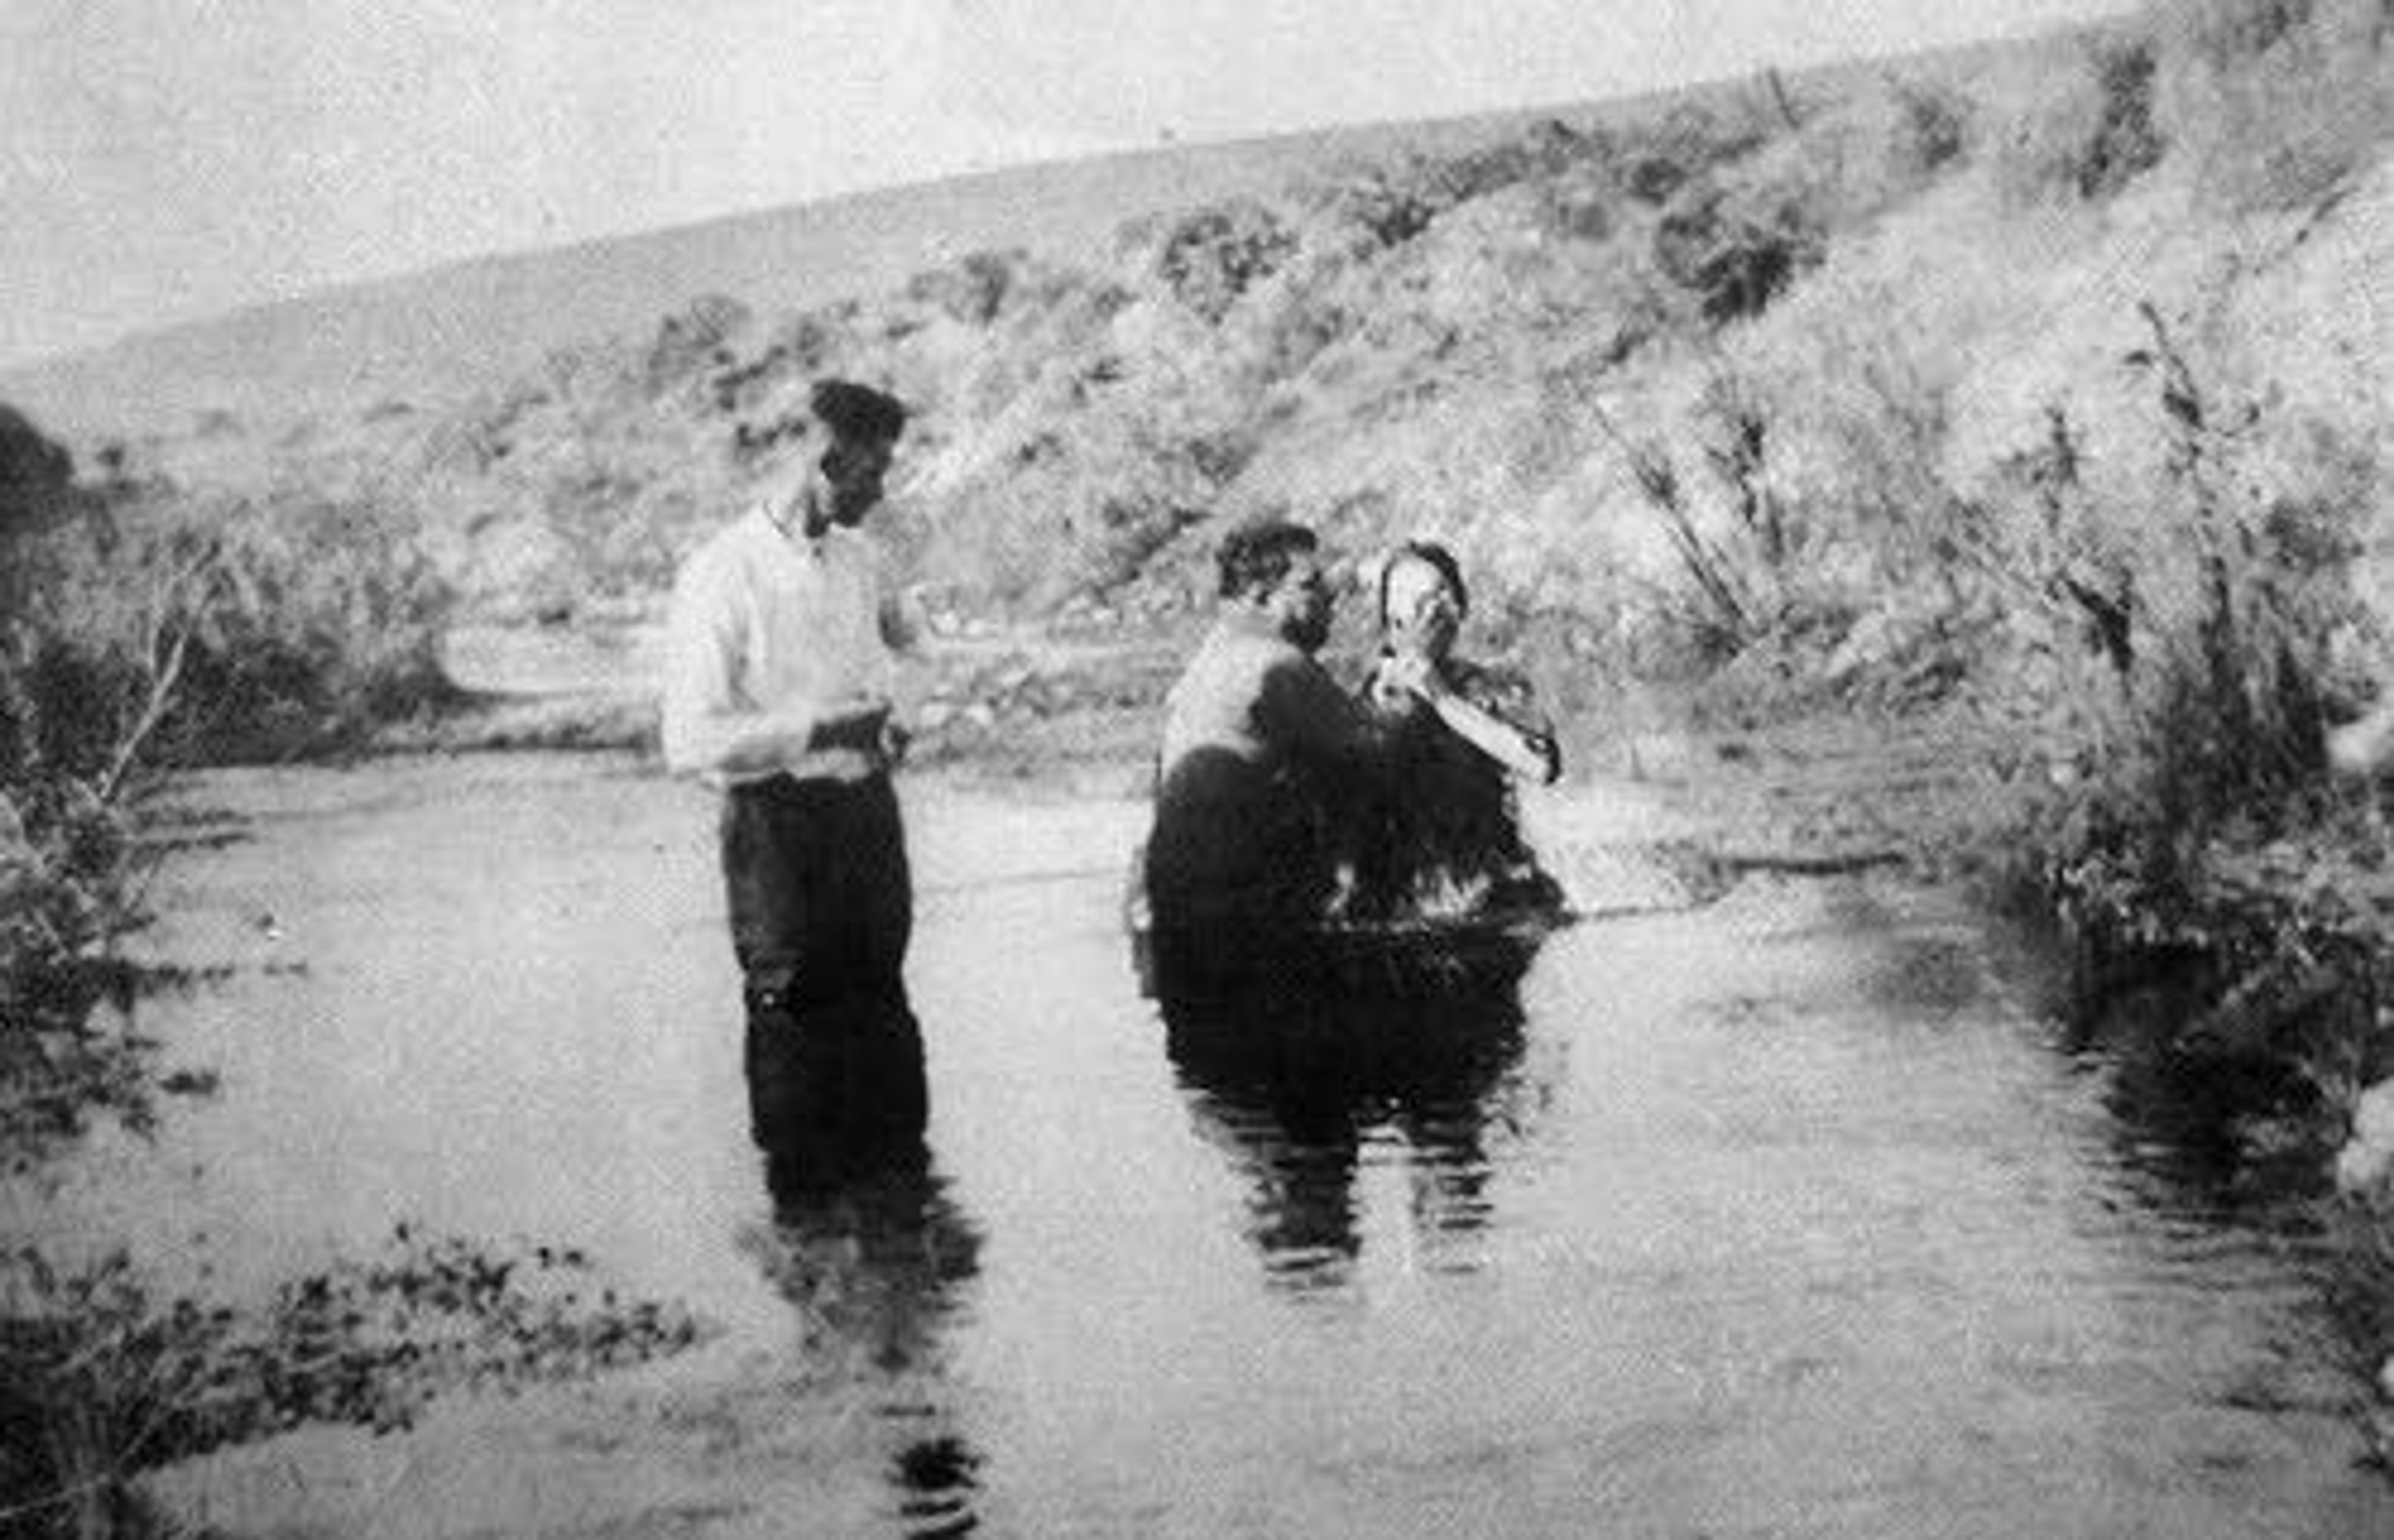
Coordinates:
column 2214, row 1138
column 874, row 1264
column 938, row 1477
column 868, row 1244
column 1391, row 1051
column 835, row 1084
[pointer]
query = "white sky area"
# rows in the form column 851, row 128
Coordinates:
column 163, row 160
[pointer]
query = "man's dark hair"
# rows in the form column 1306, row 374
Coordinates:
column 1256, row 557
column 1437, row 556
column 856, row 411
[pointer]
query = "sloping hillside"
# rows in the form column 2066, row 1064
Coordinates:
column 1862, row 369
column 428, row 338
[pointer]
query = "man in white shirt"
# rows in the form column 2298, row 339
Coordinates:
column 777, row 691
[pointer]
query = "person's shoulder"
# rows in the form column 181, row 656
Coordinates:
column 716, row 560
column 1279, row 651
column 1227, row 643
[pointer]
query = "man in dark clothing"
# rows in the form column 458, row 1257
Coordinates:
column 1259, row 743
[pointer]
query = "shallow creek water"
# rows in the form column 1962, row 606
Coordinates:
column 1787, row 1216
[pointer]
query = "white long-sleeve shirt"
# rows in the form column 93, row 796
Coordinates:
column 762, row 623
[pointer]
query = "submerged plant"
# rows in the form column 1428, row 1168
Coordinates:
column 103, row 1376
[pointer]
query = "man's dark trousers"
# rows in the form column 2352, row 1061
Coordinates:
column 821, row 906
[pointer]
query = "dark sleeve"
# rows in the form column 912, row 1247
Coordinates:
column 1508, row 695
column 1302, row 709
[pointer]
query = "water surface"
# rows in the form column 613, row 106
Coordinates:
column 1786, row 1217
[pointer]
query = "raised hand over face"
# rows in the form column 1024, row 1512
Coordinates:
column 1420, row 614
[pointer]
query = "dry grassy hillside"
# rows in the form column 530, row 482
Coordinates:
column 1849, row 382
column 428, row 337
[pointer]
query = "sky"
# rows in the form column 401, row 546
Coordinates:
column 165, row 160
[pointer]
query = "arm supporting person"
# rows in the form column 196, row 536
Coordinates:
column 1302, row 707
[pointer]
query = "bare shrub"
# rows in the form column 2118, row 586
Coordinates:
column 1720, row 612
column 2215, row 607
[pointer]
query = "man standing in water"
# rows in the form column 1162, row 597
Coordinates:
column 777, row 690
column 1259, row 744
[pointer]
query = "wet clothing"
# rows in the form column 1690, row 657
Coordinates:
column 813, row 851
column 821, row 907
column 764, row 621
column 1259, row 745
column 1445, row 838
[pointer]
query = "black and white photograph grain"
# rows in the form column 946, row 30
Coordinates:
column 1197, row 769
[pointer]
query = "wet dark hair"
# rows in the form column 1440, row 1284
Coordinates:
column 856, row 411
column 1437, row 556
column 1256, row 557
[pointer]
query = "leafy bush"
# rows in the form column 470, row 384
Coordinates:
column 66, row 893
